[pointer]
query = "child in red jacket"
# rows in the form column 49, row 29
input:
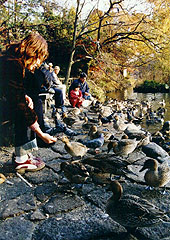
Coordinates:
column 76, row 97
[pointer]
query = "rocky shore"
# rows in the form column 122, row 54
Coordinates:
column 46, row 206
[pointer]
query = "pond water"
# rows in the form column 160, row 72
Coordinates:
column 154, row 98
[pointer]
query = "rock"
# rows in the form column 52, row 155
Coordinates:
column 84, row 223
column 9, row 208
column 37, row 215
column 39, row 177
column 16, row 228
column 46, row 190
column 63, row 203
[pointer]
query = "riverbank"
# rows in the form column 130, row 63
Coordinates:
column 49, row 207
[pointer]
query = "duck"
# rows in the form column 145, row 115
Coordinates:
column 163, row 103
column 105, row 120
column 135, row 133
column 166, row 128
column 119, row 124
column 93, row 132
column 112, row 165
column 96, row 106
column 87, row 125
column 91, row 119
column 75, row 149
column 132, row 211
column 69, row 121
column 158, row 137
column 75, row 172
column 123, row 146
column 75, row 111
column 93, row 143
column 61, row 127
column 131, row 116
column 156, row 176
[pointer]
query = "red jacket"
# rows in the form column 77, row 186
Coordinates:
column 74, row 96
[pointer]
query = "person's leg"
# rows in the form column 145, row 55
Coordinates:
column 79, row 103
column 63, row 88
column 25, row 143
column 38, row 108
column 59, row 101
column 88, row 97
column 73, row 102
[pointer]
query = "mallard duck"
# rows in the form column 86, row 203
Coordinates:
column 166, row 128
column 75, row 111
column 93, row 132
column 61, row 127
column 95, row 106
column 75, row 172
column 105, row 120
column 158, row 137
column 156, row 176
column 132, row 211
column 132, row 118
column 119, row 124
column 123, row 146
column 69, row 121
column 93, row 143
column 111, row 165
column 135, row 133
column 87, row 125
column 75, row 149
column 90, row 119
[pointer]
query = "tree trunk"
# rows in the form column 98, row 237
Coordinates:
column 70, row 63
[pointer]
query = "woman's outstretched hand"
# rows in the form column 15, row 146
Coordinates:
column 48, row 138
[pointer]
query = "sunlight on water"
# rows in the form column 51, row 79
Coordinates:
column 155, row 100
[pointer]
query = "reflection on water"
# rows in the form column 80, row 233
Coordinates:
column 154, row 98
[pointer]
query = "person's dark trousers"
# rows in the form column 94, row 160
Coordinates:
column 38, row 108
column 23, row 133
column 58, row 98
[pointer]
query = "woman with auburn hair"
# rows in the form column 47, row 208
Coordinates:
column 16, row 107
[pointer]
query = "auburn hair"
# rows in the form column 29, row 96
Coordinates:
column 32, row 47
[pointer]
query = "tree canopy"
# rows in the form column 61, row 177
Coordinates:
column 103, row 42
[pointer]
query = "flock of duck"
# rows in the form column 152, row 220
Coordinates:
column 103, row 138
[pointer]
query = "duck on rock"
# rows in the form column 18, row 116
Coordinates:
column 156, row 176
column 123, row 146
column 75, row 149
column 132, row 211
column 75, row 172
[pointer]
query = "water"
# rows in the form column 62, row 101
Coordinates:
column 154, row 98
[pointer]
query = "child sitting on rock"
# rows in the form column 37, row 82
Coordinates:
column 76, row 97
